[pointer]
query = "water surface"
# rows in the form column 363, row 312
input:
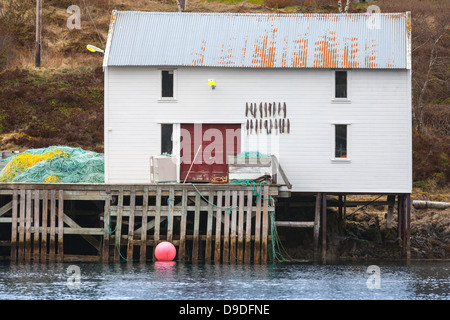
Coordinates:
column 179, row 281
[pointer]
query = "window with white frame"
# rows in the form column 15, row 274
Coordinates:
column 341, row 86
column 168, row 84
column 341, row 142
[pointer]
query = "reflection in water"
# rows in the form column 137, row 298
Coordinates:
column 175, row 280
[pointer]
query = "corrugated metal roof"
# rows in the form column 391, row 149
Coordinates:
column 258, row 40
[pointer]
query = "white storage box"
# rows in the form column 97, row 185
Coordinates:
column 163, row 169
column 249, row 168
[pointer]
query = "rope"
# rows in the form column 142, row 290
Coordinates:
column 98, row 33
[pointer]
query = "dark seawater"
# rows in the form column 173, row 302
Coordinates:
column 178, row 281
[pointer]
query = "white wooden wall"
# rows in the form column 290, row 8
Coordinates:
column 379, row 118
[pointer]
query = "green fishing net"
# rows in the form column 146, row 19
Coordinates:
column 56, row 164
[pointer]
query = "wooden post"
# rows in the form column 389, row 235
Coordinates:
column 36, row 227
column 107, row 228
column 257, row 246
column 182, row 246
column 60, row 256
column 400, row 216
column 408, row 226
column 196, row 229
column 170, row 205
column 226, row 230
column 234, row 203
column 390, row 212
column 240, row 248
column 340, row 205
column 118, row 233
column 52, row 224
column 157, row 220
column 38, row 33
column 22, row 225
column 143, row 249
column 265, row 224
column 248, row 228
column 209, row 224
column 29, row 214
column 44, row 226
column 218, row 228
column 14, row 226
column 324, row 228
column 317, row 226
column 131, row 224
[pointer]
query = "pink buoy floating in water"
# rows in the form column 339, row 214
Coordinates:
column 165, row 251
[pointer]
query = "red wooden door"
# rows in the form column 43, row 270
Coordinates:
column 217, row 142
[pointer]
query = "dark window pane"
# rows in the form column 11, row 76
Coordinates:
column 166, row 138
column 340, row 141
column 167, row 83
column 341, row 84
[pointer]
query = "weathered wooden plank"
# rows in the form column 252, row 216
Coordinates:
column 157, row 220
column 60, row 256
column 317, row 226
column 118, row 232
column 248, row 228
column 408, row 227
column 170, row 205
column 29, row 213
column 265, row 224
column 209, row 224
column 234, row 202
column 36, row 226
column 218, row 236
column 226, row 229
column 195, row 241
column 257, row 246
column 14, row 226
column 324, row 228
column 240, row 245
column 85, row 232
column 295, row 224
column 44, row 225
column 182, row 246
column 107, row 229
column 5, row 208
column 390, row 211
column 143, row 248
column 131, row 225
column 52, row 225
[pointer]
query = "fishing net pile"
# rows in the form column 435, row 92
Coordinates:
column 58, row 164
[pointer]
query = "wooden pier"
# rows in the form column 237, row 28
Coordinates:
column 213, row 223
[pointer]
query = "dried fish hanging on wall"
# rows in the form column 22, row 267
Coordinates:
column 263, row 115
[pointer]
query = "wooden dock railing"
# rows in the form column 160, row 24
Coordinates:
column 214, row 223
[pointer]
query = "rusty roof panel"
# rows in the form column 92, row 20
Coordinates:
column 258, row 40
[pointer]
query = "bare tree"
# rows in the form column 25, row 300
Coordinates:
column 347, row 6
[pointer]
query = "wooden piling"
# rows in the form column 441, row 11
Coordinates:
column 324, row 228
column 183, row 220
column 107, row 228
column 60, row 255
column 29, row 213
column 44, row 232
column 195, row 241
column 234, row 202
column 248, row 227
column 36, row 226
column 226, row 230
column 317, row 226
column 240, row 248
column 14, row 226
column 257, row 245
column 143, row 248
column 118, row 228
column 131, row 225
column 209, row 224
column 52, row 254
column 218, row 238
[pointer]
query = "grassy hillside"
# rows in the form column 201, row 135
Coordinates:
column 62, row 102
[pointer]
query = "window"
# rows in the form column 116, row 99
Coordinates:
column 340, row 84
column 166, row 138
column 340, row 141
column 167, row 83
